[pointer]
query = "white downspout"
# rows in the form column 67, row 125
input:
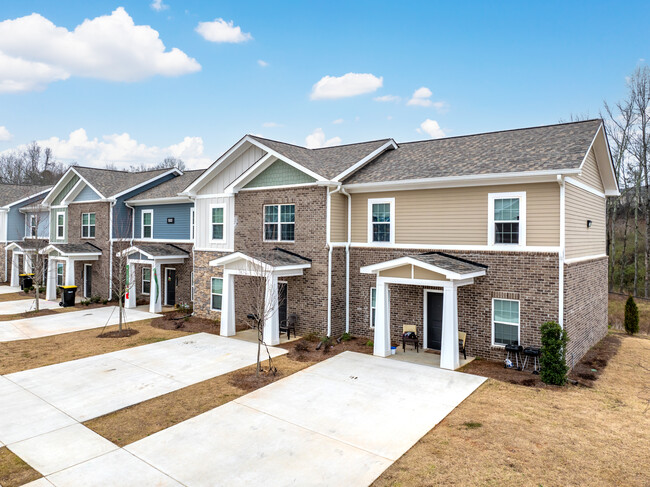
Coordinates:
column 110, row 256
column 347, row 261
column 560, row 180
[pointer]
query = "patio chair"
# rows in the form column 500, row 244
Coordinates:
column 289, row 325
column 462, row 343
column 410, row 335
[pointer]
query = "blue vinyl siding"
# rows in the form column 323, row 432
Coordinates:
column 87, row 194
column 16, row 221
column 179, row 230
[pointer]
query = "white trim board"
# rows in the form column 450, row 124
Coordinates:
column 581, row 185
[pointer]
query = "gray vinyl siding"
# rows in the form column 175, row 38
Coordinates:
column 179, row 230
column 87, row 194
column 16, row 221
column 53, row 213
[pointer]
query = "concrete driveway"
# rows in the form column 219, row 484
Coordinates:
column 23, row 305
column 56, row 324
column 340, row 422
column 9, row 289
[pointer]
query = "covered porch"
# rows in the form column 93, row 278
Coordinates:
column 61, row 264
column 153, row 256
column 27, row 249
column 270, row 266
column 436, row 273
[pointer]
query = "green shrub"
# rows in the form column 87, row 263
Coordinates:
column 104, row 301
column 553, row 360
column 95, row 299
column 326, row 343
column 311, row 337
column 631, row 322
column 346, row 337
column 370, row 343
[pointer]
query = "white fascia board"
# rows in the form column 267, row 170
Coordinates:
column 262, row 163
column 358, row 165
column 76, row 189
column 171, row 200
column 296, row 165
column 88, row 183
column 133, row 188
column 59, row 184
column 27, row 198
column 607, row 173
column 383, row 266
column 460, row 181
column 581, row 185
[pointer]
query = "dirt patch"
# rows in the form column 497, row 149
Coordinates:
column 14, row 471
column 123, row 333
column 14, row 296
column 496, row 370
column 181, row 321
column 593, row 364
column 304, row 350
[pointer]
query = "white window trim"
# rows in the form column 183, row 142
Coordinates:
column 192, row 286
column 518, row 325
column 379, row 201
column 279, row 223
column 142, row 225
column 89, row 225
column 215, row 294
column 522, row 218
column 62, row 273
column 28, row 233
column 62, row 226
column 372, row 327
column 86, row 266
column 143, row 280
column 193, row 223
column 215, row 240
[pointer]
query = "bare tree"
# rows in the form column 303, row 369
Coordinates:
column 119, row 276
column 34, row 165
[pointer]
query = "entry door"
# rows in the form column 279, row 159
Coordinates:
column 170, row 287
column 282, row 301
column 88, row 278
column 434, row 320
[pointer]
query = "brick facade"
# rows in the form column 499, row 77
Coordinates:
column 585, row 306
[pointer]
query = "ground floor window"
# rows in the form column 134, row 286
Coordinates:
column 59, row 273
column 373, row 306
column 216, row 293
column 505, row 322
column 146, row 280
column 192, row 286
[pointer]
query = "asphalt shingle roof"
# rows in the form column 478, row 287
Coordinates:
column 170, row 188
column 161, row 250
column 327, row 161
column 110, row 182
column 82, row 248
column 449, row 263
column 551, row 147
column 278, row 257
column 10, row 193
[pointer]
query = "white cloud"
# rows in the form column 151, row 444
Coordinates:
column 338, row 121
column 121, row 150
column 262, row 63
column 222, row 31
column 158, row 5
column 350, row 84
column 316, row 140
column 271, row 124
column 4, row 133
column 34, row 52
column 387, row 98
column 421, row 97
column 432, row 128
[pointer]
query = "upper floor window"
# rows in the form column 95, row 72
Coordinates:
column 217, row 223
column 381, row 224
column 60, row 225
column 279, row 223
column 507, row 225
column 192, row 215
column 147, row 224
column 87, row 225
column 32, row 231
column 505, row 322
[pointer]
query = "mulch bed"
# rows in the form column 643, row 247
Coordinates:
column 179, row 320
column 125, row 332
column 304, row 350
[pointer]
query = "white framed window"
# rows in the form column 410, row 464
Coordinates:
column 60, row 225
column 32, row 226
column 147, row 224
column 505, row 322
column 217, row 223
column 373, row 306
column 192, row 223
column 381, row 221
column 192, row 286
column 146, row 280
column 87, row 225
column 280, row 223
column 59, row 274
column 507, row 219
column 216, row 292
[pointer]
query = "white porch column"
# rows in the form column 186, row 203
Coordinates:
column 27, row 263
column 50, row 290
column 129, row 301
column 155, row 296
column 69, row 272
column 228, row 305
column 15, row 264
column 382, row 320
column 271, row 333
column 449, row 357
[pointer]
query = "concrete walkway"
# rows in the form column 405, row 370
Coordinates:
column 40, row 409
column 9, row 289
column 340, row 422
column 42, row 326
column 24, row 305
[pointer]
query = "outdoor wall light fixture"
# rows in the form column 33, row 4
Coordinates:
column 589, row 222
column 170, row 220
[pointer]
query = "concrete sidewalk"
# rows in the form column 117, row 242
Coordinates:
column 24, row 305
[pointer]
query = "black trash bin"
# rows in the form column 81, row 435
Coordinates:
column 28, row 281
column 67, row 295
column 21, row 280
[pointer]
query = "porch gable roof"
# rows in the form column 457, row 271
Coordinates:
column 275, row 259
column 453, row 268
column 156, row 251
column 73, row 250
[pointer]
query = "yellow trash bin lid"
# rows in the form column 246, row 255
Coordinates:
column 68, row 287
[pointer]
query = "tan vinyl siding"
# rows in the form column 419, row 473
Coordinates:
column 459, row 216
column 581, row 206
column 339, row 218
column 590, row 173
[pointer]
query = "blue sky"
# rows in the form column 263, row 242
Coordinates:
column 484, row 66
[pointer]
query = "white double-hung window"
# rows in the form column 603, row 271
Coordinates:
column 505, row 322
column 60, row 225
column 507, row 219
column 146, row 280
column 279, row 223
column 217, row 224
column 373, row 306
column 33, row 226
column 59, row 273
column 381, row 220
column 87, row 225
column 216, row 293
column 147, row 224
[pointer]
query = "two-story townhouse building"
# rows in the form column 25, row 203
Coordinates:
column 88, row 214
column 23, row 228
column 160, row 257
column 490, row 234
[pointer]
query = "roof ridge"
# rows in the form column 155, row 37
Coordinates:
column 466, row 261
column 292, row 253
column 124, row 171
column 279, row 142
column 320, row 148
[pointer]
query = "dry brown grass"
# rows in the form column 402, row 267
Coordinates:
column 14, row 297
column 14, row 471
column 38, row 352
column 616, row 309
column 570, row 436
column 140, row 420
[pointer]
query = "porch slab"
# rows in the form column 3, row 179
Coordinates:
column 24, row 305
column 9, row 289
column 251, row 336
column 423, row 358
